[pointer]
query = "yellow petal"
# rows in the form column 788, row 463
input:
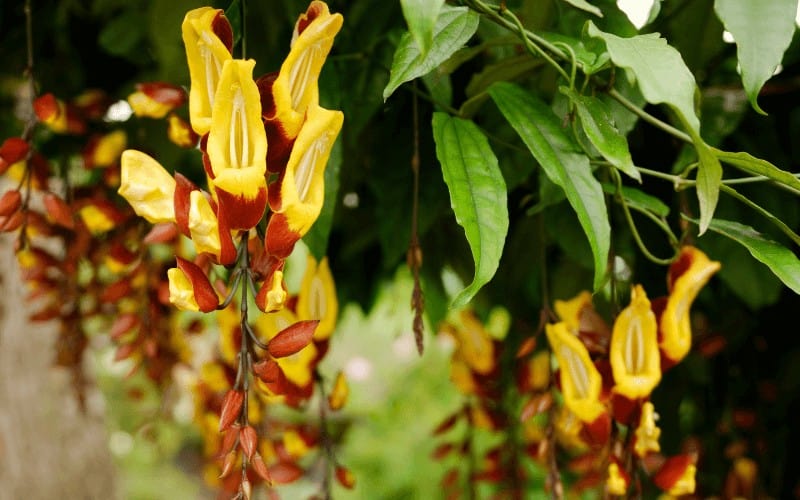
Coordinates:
column 295, row 89
column 109, row 148
column 303, row 186
column 203, row 224
column 581, row 383
column 237, row 138
column 206, row 55
column 145, row 106
column 695, row 269
column 634, row 356
column 147, row 186
column 570, row 310
column 181, row 292
column 475, row 345
column 95, row 219
column 317, row 297
column 647, row 433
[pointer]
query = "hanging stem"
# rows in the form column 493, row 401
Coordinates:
column 325, row 438
column 414, row 255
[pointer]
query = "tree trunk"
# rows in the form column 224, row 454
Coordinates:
column 49, row 448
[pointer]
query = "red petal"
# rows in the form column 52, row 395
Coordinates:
column 46, row 106
column 183, row 188
column 164, row 93
column 239, row 212
column 231, row 408
column 116, row 291
column 671, row 471
column 204, row 294
column 260, row 468
column 292, row 339
column 279, row 239
column 345, row 477
column 123, row 324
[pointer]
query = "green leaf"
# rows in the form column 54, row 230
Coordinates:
column 477, row 194
column 454, row 27
column 421, row 18
column 660, row 72
column 756, row 166
column 541, row 131
column 709, row 178
column 639, row 199
column 763, row 30
column 599, row 127
column 781, row 261
column 123, row 35
column 234, row 15
column 584, row 5
column 317, row 237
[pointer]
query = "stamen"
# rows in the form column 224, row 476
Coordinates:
column 317, row 304
column 634, row 347
column 307, row 164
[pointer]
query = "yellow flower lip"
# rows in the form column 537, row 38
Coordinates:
column 207, row 37
column 302, row 188
column 687, row 276
column 147, row 187
column 317, row 298
column 634, row 356
column 581, row 383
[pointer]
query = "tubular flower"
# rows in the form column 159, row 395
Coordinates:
column 180, row 132
column 677, row 476
column 635, row 360
column 105, row 150
column 570, row 310
column 189, row 288
column 298, row 199
column 581, row 382
column 647, row 433
column 208, row 39
column 317, row 297
column 272, row 296
column 475, row 345
column 294, row 89
column 155, row 99
column 148, row 188
column 687, row 275
column 203, row 225
column 237, row 147
column 618, row 481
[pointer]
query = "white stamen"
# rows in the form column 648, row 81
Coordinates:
column 580, row 376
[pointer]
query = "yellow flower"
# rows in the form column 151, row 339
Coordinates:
column 148, row 188
column 96, row 219
column 475, row 346
column 570, row 310
column 107, row 149
column 317, row 297
column 687, row 275
column 647, row 433
column 617, row 483
column 180, row 133
column 237, row 147
column 203, row 224
column 295, row 88
column 272, row 296
column 207, row 37
column 635, row 360
column 181, row 292
column 581, row 382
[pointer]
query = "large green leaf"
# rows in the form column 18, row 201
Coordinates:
column 541, row 131
column 599, row 127
column 421, row 18
column 660, row 72
column 782, row 261
column 454, row 27
column 762, row 30
column 477, row 194
column 756, row 166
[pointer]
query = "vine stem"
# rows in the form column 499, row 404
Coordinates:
column 414, row 251
column 325, row 437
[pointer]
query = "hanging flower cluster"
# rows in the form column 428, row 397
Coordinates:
column 609, row 374
column 604, row 378
column 264, row 144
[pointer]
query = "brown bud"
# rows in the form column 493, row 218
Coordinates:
column 58, row 210
column 228, row 464
column 292, row 339
column 231, row 408
column 10, row 202
column 345, row 477
column 260, row 468
column 12, row 222
column 248, row 440
column 285, row 472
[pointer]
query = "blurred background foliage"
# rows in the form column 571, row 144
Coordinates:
column 745, row 396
